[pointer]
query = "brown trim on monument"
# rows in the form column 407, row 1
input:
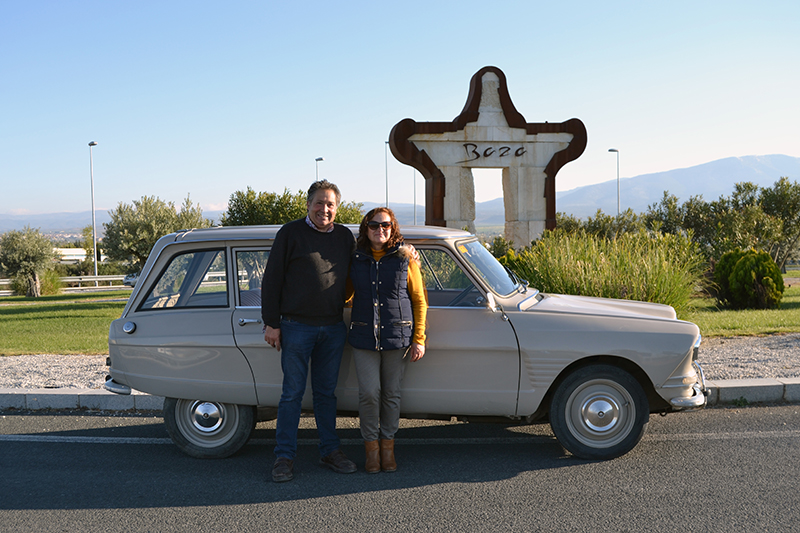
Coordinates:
column 405, row 151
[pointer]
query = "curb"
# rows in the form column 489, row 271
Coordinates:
column 733, row 393
column 62, row 399
column 746, row 391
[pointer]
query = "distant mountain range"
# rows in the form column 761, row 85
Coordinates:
column 711, row 180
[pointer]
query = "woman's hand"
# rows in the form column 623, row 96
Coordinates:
column 416, row 351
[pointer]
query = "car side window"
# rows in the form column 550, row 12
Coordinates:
column 446, row 283
column 192, row 279
column 250, row 265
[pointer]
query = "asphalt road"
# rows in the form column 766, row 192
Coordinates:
column 714, row 470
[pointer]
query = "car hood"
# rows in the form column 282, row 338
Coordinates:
column 586, row 305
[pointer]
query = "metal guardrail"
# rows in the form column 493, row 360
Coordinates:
column 79, row 280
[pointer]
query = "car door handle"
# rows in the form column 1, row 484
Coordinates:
column 245, row 321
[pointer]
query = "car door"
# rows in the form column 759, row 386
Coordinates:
column 265, row 361
column 471, row 364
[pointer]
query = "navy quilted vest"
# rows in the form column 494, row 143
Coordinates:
column 382, row 318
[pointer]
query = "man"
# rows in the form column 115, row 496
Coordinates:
column 303, row 295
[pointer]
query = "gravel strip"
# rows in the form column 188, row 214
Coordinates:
column 772, row 356
column 53, row 371
column 722, row 358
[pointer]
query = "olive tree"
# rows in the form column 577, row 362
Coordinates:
column 782, row 201
column 134, row 229
column 25, row 255
column 251, row 208
column 766, row 219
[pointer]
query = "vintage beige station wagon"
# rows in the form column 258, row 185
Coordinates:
column 497, row 349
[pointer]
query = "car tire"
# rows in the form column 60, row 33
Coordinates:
column 208, row 430
column 599, row 412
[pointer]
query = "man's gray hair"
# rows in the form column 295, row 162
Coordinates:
column 323, row 185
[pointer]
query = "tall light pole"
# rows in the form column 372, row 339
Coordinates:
column 616, row 152
column 317, row 163
column 386, row 158
column 415, row 196
column 94, row 222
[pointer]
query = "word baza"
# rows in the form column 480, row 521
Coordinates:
column 474, row 154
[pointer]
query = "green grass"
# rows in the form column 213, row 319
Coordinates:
column 62, row 324
column 715, row 322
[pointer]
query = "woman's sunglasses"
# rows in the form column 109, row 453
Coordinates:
column 373, row 224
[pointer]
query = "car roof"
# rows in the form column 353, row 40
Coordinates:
column 221, row 233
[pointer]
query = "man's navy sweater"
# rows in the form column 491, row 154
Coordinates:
column 306, row 275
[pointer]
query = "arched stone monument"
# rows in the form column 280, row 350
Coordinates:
column 490, row 133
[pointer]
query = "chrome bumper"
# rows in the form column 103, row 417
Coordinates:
column 117, row 388
column 699, row 399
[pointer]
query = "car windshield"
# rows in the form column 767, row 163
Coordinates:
column 500, row 280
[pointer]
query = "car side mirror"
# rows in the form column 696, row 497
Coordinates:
column 491, row 305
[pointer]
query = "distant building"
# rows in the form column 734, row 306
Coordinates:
column 73, row 256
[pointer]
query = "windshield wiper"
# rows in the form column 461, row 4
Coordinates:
column 519, row 282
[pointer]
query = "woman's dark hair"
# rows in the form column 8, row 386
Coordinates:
column 363, row 237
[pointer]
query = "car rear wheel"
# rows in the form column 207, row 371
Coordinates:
column 599, row 412
column 208, row 430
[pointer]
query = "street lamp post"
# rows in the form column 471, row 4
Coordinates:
column 94, row 222
column 386, row 158
column 317, row 163
column 415, row 197
column 616, row 152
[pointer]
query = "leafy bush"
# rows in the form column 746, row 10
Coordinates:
column 650, row 267
column 500, row 246
column 722, row 273
column 756, row 282
column 24, row 255
column 49, row 283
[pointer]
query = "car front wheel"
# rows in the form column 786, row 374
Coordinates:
column 599, row 412
column 208, row 430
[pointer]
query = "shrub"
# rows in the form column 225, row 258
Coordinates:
column 650, row 267
column 722, row 274
column 500, row 246
column 756, row 282
column 49, row 283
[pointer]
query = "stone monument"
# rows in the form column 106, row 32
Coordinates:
column 490, row 133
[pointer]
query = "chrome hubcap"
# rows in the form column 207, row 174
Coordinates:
column 207, row 417
column 600, row 413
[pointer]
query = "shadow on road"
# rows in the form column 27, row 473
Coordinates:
column 118, row 476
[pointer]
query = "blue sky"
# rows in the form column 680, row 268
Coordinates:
column 206, row 98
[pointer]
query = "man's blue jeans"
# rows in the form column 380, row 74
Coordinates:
column 320, row 349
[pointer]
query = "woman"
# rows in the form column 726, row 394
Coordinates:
column 387, row 323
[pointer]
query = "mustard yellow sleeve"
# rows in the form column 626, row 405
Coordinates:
column 419, row 302
column 349, row 292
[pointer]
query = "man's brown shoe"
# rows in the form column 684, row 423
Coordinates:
column 337, row 462
column 282, row 470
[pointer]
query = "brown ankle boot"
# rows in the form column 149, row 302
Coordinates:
column 373, row 463
column 388, row 463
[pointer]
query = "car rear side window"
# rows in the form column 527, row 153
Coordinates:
column 192, row 279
